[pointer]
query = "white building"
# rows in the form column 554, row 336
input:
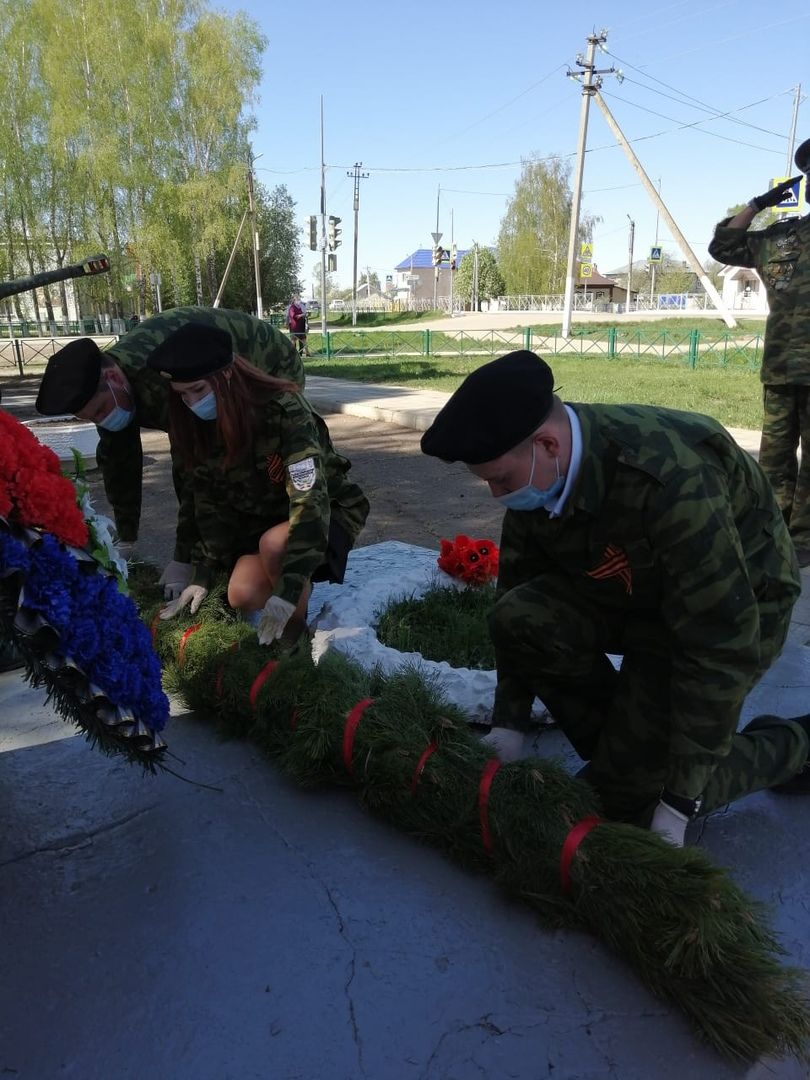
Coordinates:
column 742, row 290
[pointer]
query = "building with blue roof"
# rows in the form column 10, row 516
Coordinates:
column 415, row 274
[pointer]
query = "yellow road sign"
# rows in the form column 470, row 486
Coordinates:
column 586, row 270
column 793, row 198
column 586, row 251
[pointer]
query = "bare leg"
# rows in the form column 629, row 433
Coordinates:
column 253, row 579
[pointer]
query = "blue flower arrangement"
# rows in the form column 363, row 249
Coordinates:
column 97, row 626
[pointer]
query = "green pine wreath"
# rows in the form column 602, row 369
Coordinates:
column 690, row 933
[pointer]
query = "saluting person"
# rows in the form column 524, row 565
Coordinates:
column 780, row 254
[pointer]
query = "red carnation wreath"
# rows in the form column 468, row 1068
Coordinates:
column 33, row 491
column 474, row 562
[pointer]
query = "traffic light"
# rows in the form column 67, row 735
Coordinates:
column 437, row 255
column 313, row 232
column 96, row 264
column 453, row 257
column 333, row 233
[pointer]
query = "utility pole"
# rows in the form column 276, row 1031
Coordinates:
column 436, row 237
column 323, row 233
column 792, row 136
column 255, row 232
column 452, row 271
column 652, row 264
column 681, row 240
column 591, row 81
column 474, row 305
column 630, row 264
column 358, row 176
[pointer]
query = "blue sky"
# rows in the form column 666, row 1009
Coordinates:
column 456, row 94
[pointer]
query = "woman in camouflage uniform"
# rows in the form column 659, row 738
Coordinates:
column 272, row 501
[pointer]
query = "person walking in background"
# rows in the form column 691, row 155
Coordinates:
column 297, row 325
column 781, row 256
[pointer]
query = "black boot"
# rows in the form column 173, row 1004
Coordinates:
column 800, row 783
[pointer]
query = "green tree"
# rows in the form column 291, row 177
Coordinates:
column 676, row 276
column 279, row 256
column 490, row 278
column 331, row 288
column 533, row 237
column 125, row 130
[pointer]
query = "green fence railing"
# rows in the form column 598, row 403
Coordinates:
column 689, row 348
column 685, row 347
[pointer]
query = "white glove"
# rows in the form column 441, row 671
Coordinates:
column 174, row 578
column 127, row 549
column 192, row 595
column 507, row 744
column 273, row 617
column 669, row 823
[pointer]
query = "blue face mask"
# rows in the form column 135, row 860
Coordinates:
column 206, row 407
column 118, row 418
column 532, row 498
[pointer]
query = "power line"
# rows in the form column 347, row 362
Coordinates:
column 506, row 104
column 715, row 114
column 733, row 37
column 658, row 26
column 689, row 98
column 696, row 123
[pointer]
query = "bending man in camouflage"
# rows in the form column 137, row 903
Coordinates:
column 781, row 256
column 643, row 532
column 117, row 391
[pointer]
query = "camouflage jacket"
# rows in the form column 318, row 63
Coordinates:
column 781, row 256
column 291, row 473
column 686, row 531
column 120, row 454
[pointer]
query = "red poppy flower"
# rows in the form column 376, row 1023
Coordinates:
column 471, row 561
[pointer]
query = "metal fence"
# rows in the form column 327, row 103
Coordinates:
column 689, row 348
column 584, row 302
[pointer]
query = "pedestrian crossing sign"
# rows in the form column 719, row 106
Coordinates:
column 586, row 251
column 794, row 196
column 586, row 270
column 656, row 254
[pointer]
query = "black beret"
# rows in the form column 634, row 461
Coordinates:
column 802, row 156
column 195, row 351
column 71, row 378
column 496, row 407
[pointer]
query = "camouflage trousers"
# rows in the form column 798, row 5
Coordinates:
column 551, row 642
column 786, row 425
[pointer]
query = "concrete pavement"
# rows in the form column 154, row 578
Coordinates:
column 158, row 928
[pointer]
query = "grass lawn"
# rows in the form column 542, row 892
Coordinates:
column 732, row 395
column 710, row 329
column 343, row 320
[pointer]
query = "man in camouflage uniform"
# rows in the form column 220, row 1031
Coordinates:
column 643, row 532
column 781, row 256
column 125, row 393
